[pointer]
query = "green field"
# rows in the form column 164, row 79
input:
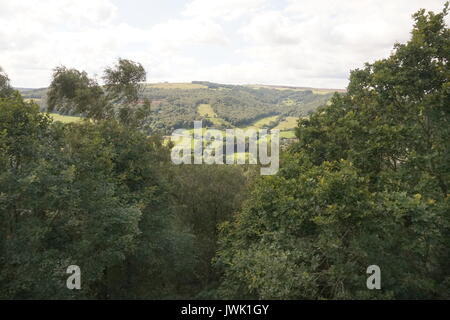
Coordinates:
column 262, row 122
column 287, row 124
column 183, row 86
column 65, row 119
column 36, row 100
column 207, row 112
column 287, row 134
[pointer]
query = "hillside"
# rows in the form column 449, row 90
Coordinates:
column 177, row 105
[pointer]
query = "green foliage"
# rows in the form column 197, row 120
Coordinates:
column 104, row 196
column 90, row 194
column 208, row 195
column 367, row 183
column 5, row 87
column 73, row 92
column 122, row 82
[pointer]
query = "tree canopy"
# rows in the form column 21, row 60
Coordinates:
column 366, row 184
column 73, row 92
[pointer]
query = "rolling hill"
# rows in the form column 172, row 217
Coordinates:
column 177, row 105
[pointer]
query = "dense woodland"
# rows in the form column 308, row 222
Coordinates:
column 366, row 183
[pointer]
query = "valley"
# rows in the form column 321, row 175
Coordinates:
column 221, row 106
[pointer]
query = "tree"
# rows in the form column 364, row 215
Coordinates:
column 59, row 206
column 123, row 81
column 72, row 91
column 367, row 183
column 92, row 194
column 206, row 196
column 5, row 87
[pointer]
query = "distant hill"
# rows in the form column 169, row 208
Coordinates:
column 268, row 86
column 315, row 90
column 177, row 105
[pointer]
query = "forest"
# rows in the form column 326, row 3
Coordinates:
column 366, row 182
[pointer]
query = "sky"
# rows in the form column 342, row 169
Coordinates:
column 310, row 43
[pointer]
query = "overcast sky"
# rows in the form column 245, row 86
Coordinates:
column 288, row 42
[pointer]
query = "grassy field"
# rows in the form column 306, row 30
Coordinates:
column 207, row 112
column 287, row 124
column 65, row 119
column 262, row 122
column 36, row 100
column 287, row 134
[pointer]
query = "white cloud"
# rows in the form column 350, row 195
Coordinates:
column 227, row 10
column 307, row 43
column 34, row 38
column 318, row 42
column 181, row 32
column 272, row 28
column 88, row 35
